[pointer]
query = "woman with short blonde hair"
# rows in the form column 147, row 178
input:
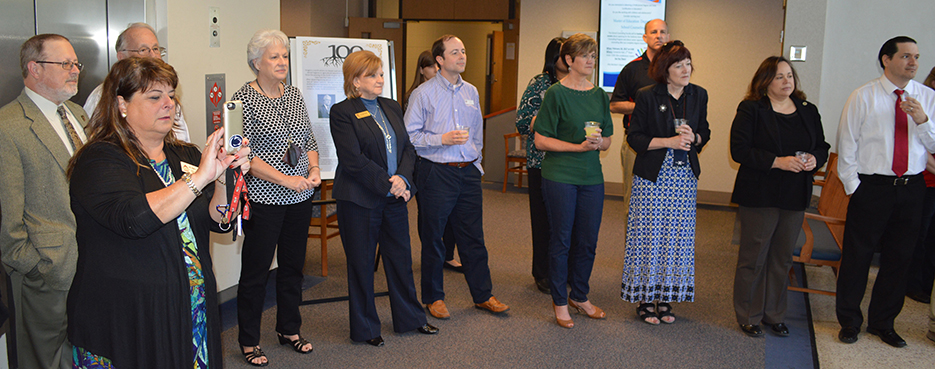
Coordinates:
column 372, row 185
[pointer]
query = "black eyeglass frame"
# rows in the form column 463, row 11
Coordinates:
column 66, row 65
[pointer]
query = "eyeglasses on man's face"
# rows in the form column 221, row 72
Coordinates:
column 66, row 65
column 161, row 51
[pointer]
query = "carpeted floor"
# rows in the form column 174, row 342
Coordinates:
column 705, row 335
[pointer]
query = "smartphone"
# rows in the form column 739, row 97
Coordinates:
column 233, row 126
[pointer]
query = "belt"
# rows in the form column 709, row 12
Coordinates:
column 878, row 179
column 456, row 164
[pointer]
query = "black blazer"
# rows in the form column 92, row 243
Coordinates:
column 650, row 121
column 361, row 175
column 755, row 143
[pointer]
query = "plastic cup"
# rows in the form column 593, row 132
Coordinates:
column 590, row 127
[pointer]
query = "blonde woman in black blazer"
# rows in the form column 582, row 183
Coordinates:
column 773, row 188
column 372, row 185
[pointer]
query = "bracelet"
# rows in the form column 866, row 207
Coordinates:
column 313, row 166
column 223, row 183
column 191, row 185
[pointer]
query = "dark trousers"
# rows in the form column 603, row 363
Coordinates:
column 269, row 226
column 767, row 238
column 40, row 317
column 575, row 219
column 449, row 239
column 388, row 225
column 451, row 194
column 540, row 226
column 885, row 218
column 922, row 271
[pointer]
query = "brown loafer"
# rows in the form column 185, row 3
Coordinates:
column 493, row 305
column 438, row 310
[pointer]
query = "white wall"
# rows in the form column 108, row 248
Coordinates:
column 854, row 32
column 183, row 28
column 728, row 40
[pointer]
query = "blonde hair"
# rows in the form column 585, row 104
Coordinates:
column 359, row 63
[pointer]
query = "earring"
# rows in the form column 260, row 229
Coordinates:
column 123, row 115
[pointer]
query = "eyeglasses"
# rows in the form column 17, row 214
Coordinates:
column 149, row 50
column 66, row 65
column 672, row 44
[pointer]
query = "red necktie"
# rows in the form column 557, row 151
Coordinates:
column 901, row 139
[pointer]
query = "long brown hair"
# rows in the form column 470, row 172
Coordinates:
column 425, row 60
column 764, row 76
column 126, row 78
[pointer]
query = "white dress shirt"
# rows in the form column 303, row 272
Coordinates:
column 50, row 110
column 867, row 129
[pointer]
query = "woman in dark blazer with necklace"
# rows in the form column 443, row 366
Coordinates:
column 372, row 186
column 778, row 140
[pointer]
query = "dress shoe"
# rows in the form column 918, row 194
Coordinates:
column 779, row 329
column 930, row 335
column 889, row 336
column 562, row 322
column 597, row 314
column 428, row 329
column 848, row 334
column 457, row 268
column 543, row 286
column 920, row 297
column 752, row 330
column 376, row 341
column 438, row 310
column 493, row 305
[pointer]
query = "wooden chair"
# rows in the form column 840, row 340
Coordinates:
column 832, row 211
column 517, row 157
column 325, row 220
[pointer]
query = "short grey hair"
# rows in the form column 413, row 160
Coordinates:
column 122, row 38
column 260, row 41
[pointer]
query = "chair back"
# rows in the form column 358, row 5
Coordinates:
column 833, row 200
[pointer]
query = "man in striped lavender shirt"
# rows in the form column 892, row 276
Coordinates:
column 445, row 124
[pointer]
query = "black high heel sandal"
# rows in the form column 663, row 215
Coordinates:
column 646, row 311
column 253, row 355
column 296, row 345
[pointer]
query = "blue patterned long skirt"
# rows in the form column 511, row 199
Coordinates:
column 660, row 257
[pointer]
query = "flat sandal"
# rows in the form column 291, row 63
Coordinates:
column 644, row 312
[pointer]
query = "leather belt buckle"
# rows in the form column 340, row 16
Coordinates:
column 900, row 181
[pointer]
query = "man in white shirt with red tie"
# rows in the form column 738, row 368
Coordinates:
column 884, row 138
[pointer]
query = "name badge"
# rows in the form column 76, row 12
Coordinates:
column 188, row 168
column 362, row 114
column 468, row 102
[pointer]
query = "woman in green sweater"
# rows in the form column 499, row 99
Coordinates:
column 572, row 181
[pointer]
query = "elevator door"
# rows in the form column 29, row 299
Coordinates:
column 91, row 25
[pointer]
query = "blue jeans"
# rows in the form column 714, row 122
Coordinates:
column 575, row 220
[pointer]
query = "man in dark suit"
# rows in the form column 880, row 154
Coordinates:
column 39, row 133
column 324, row 108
